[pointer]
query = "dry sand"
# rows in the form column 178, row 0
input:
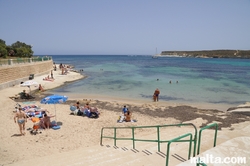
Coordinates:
column 79, row 132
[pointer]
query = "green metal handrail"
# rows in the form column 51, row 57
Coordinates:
column 158, row 135
column 175, row 140
column 215, row 135
column 199, row 162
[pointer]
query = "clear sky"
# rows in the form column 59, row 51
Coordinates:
column 125, row 26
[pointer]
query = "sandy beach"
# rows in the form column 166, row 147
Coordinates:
column 79, row 132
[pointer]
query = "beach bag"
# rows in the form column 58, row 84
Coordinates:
column 79, row 113
column 53, row 123
column 72, row 108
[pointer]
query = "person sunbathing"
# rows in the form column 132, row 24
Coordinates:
column 48, row 79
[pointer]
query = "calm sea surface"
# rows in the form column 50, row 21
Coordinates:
column 215, row 81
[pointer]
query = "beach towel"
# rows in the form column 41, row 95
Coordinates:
column 121, row 119
column 56, row 127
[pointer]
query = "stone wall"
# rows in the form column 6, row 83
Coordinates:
column 11, row 75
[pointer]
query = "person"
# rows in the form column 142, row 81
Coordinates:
column 25, row 95
column 54, row 66
column 87, row 106
column 20, row 118
column 77, row 104
column 48, row 78
column 154, row 97
column 46, row 123
column 78, row 110
column 124, row 110
column 128, row 116
column 93, row 113
column 86, row 109
column 51, row 74
column 156, row 94
column 40, row 88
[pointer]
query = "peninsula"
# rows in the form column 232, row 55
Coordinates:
column 245, row 54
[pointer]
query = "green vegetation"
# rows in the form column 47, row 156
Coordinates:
column 17, row 49
column 211, row 53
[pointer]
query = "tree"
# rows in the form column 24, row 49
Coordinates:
column 22, row 50
column 2, row 42
column 10, row 51
column 3, row 51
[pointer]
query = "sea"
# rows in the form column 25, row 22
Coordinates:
column 184, row 80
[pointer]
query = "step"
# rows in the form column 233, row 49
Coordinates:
column 231, row 149
column 145, row 153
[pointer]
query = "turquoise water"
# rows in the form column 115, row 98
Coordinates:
column 215, row 81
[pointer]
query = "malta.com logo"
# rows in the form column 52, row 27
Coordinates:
column 210, row 159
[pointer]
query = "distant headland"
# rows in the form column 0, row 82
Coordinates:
column 245, row 54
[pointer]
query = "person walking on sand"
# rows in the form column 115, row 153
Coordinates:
column 156, row 94
column 21, row 119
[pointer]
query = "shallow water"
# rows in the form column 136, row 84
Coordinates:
column 200, row 80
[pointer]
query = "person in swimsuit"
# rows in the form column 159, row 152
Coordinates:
column 21, row 119
column 46, row 121
column 128, row 115
column 40, row 88
column 156, row 94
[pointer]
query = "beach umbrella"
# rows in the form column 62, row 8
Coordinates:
column 54, row 99
column 29, row 84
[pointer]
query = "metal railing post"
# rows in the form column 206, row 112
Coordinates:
column 176, row 139
column 215, row 135
column 115, row 136
column 133, row 137
column 158, row 138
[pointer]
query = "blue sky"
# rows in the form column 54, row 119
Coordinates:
column 57, row 27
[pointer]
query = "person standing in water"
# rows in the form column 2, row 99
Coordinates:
column 21, row 119
column 156, row 94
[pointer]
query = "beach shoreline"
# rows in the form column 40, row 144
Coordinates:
column 79, row 132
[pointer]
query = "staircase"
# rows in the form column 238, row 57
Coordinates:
column 123, row 154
